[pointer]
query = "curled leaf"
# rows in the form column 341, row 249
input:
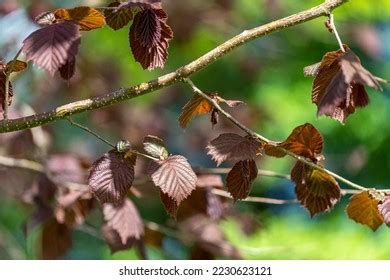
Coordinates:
column 339, row 85
column 230, row 146
column 155, row 147
column 16, row 66
column 87, row 18
column 196, row 106
column 175, row 177
column 363, row 209
column 111, row 177
column 316, row 190
column 240, row 179
column 2, row 91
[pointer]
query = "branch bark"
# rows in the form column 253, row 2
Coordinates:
column 171, row 78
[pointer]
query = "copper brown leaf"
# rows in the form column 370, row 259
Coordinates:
column 149, row 38
column 363, row 209
column 384, row 208
column 338, row 88
column 56, row 240
column 52, row 46
column 305, row 140
column 2, row 91
column 16, row 66
column 175, row 177
column 155, row 147
column 111, row 177
column 240, row 178
column 232, row 147
column 117, row 19
column 124, row 219
column 170, row 204
column 196, row 106
column 316, row 190
column 87, row 18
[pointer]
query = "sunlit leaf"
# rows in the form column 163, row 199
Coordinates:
column 87, row 18
column 232, row 147
column 305, row 140
column 316, row 190
column 196, row 106
column 111, row 177
column 175, row 177
column 155, row 147
column 52, row 46
column 363, row 209
column 240, row 178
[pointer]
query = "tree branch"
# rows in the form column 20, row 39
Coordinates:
column 171, row 78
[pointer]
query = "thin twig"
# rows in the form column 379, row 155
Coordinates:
column 256, row 199
column 173, row 77
column 260, row 172
column 90, row 132
column 265, row 140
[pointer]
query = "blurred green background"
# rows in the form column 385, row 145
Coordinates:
column 266, row 74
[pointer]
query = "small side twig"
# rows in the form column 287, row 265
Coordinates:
column 90, row 132
column 336, row 34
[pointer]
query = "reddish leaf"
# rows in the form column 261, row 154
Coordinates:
column 316, row 190
column 67, row 70
column 230, row 146
column 117, row 19
column 339, row 85
column 175, row 177
column 240, row 179
column 52, row 46
column 384, row 208
column 170, row 204
column 149, row 38
column 87, row 18
column 312, row 70
column 123, row 221
column 363, row 209
column 56, row 240
column 111, row 177
column 73, row 208
column 155, row 147
column 305, row 140
column 215, row 207
column 196, row 106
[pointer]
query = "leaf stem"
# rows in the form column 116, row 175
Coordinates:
column 90, row 132
column 143, row 155
column 334, row 29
